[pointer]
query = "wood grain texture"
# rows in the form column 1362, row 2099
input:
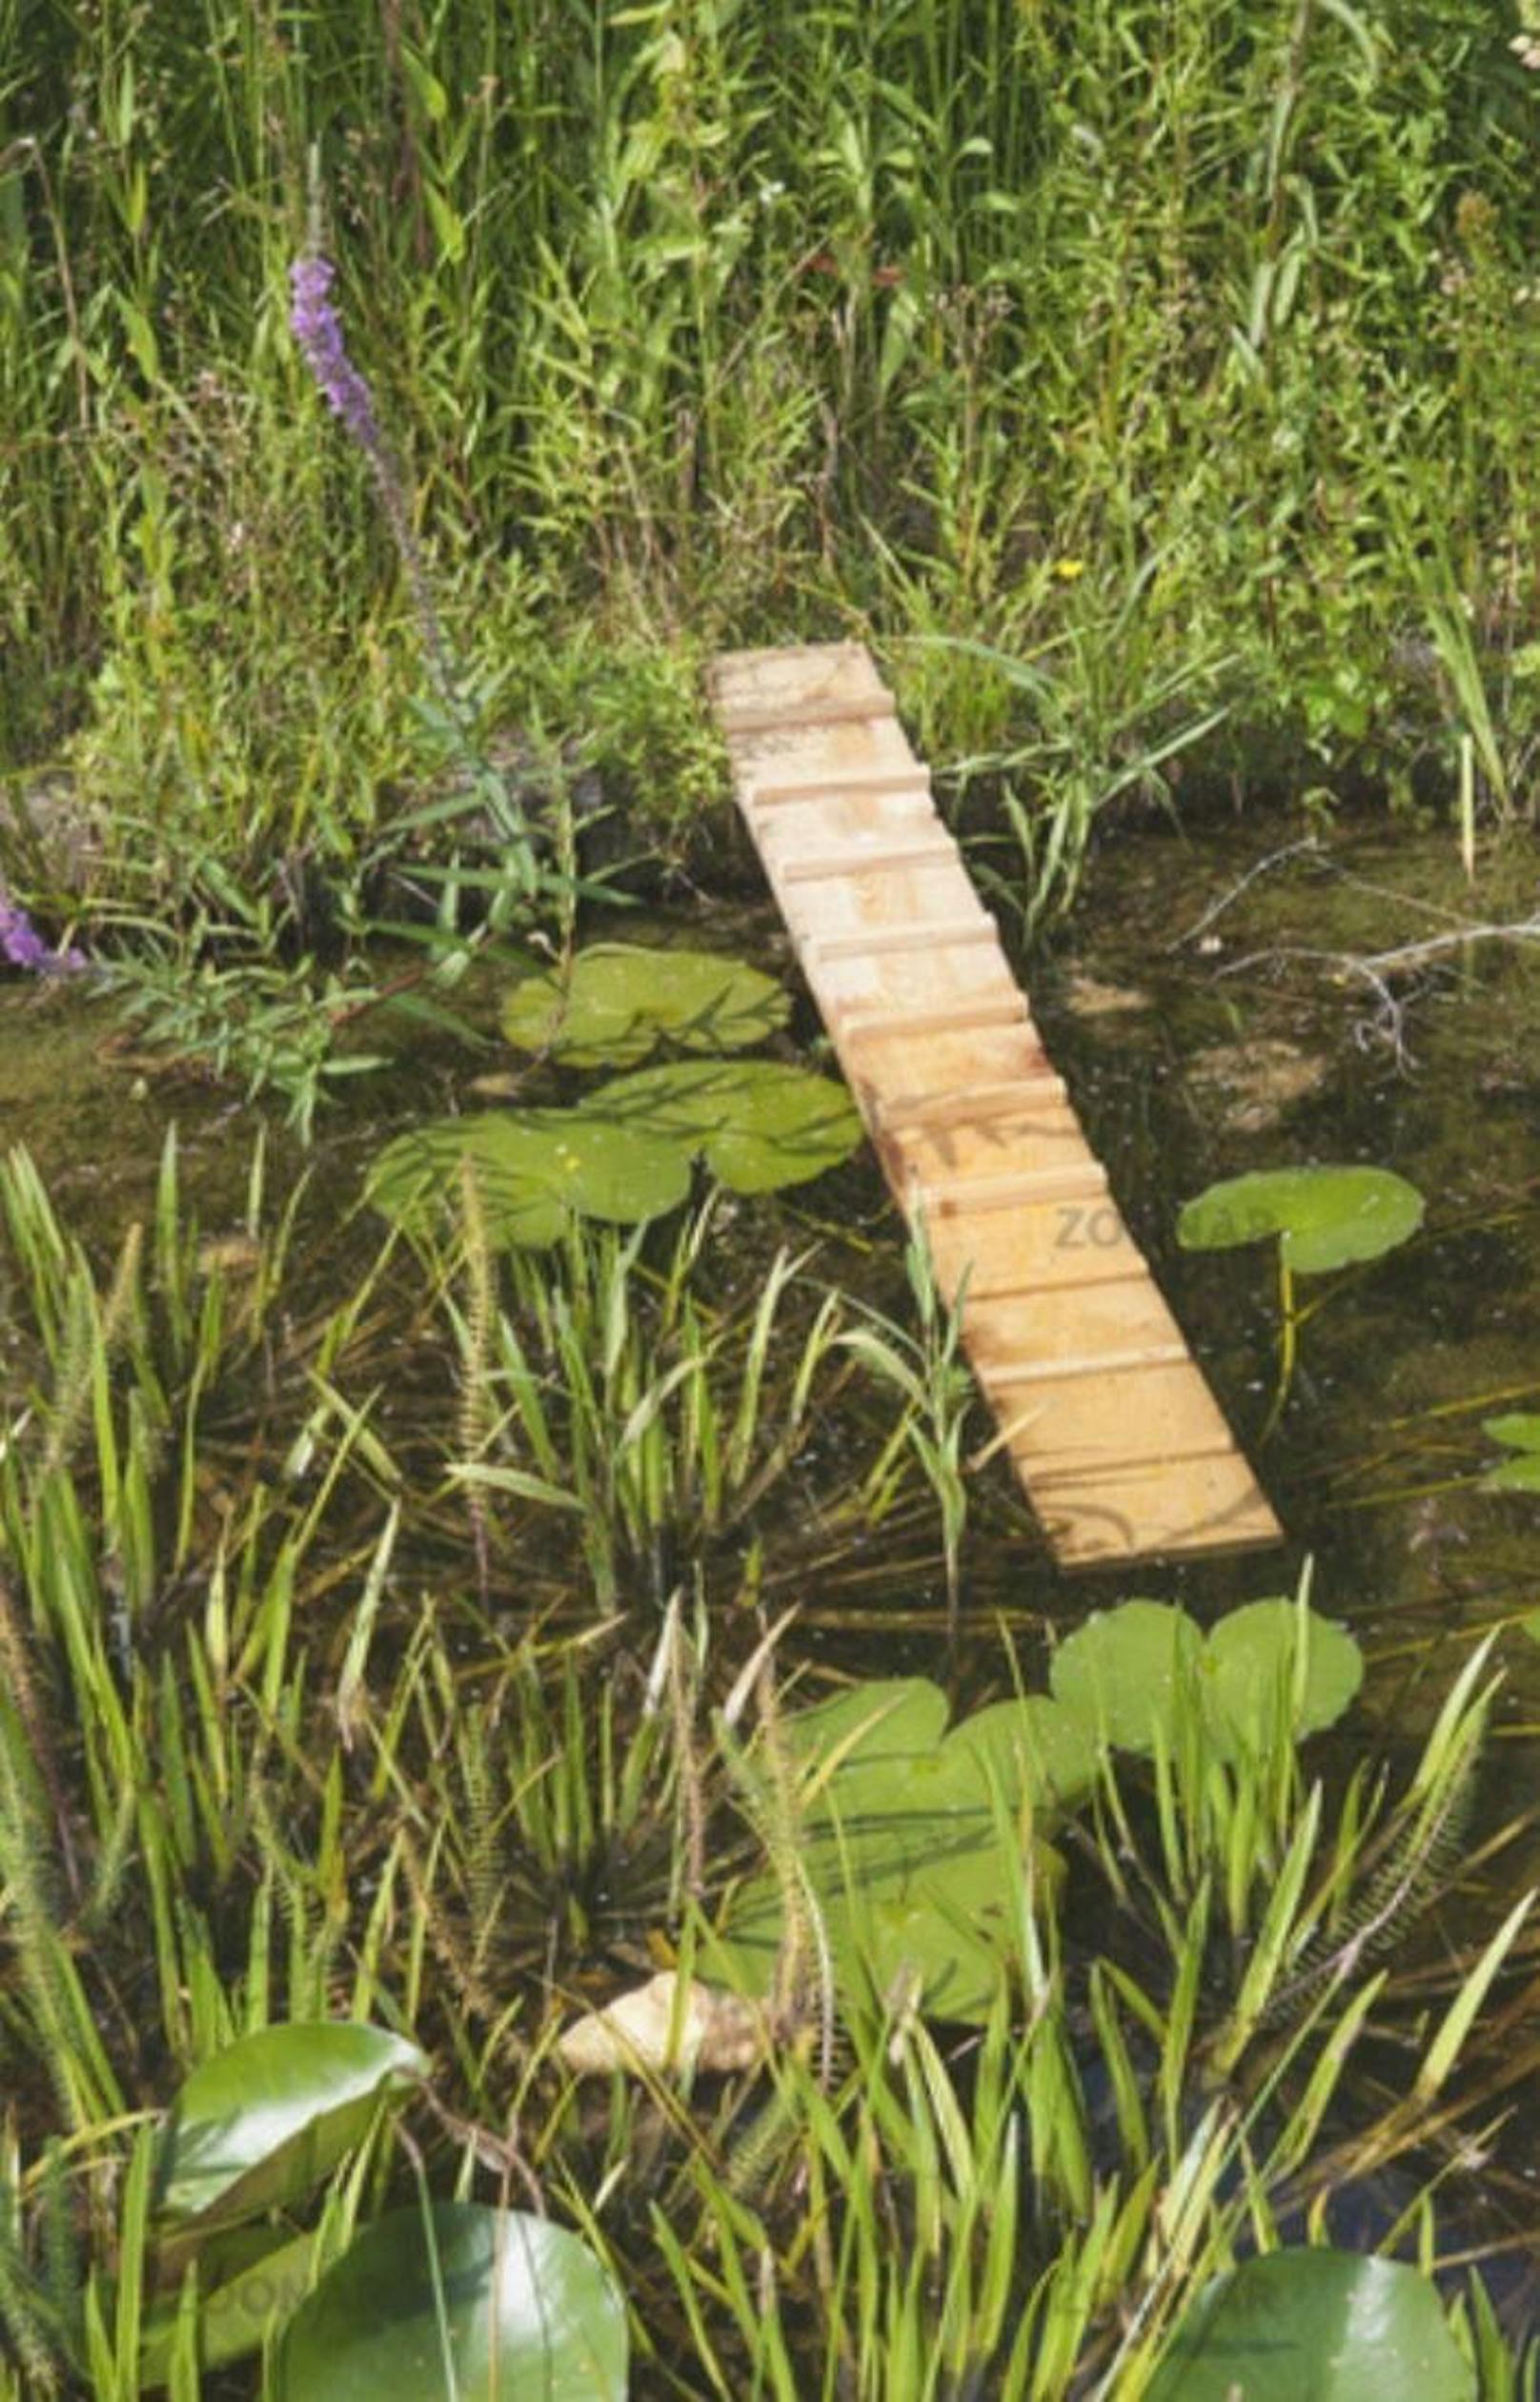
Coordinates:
column 1121, row 1446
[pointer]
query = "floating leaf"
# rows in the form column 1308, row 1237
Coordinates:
column 1330, row 2325
column 1519, row 1430
column 526, row 2310
column 901, row 1838
column 533, row 1171
column 617, row 1002
column 237, row 2306
column 269, row 2116
column 625, row 1154
column 1037, row 1747
column 1519, row 1474
column 1324, row 1217
column 757, row 1123
column 1249, row 1666
column 1120, row 1673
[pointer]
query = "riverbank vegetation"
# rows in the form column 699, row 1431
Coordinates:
column 1176, row 363
column 423, row 1628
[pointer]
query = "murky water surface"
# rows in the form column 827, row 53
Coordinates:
column 1220, row 1002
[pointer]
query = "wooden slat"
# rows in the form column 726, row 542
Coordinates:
column 861, row 710
column 880, row 942
column 825, row 866
column 1111, row 1426
column 771, row 792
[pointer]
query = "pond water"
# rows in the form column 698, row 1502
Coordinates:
column 1217, row 1003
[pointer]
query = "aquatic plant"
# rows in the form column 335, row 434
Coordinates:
column 1321, row 1217
column 1518, row 1431
column 612, row 1004
column 1309, row 2320
column 274, row 1757
column 624, row 1153
column 489, row 2299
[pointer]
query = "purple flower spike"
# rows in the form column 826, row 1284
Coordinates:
column 23, row 947
column 317, row 329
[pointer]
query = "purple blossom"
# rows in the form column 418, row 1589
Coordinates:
column 23, row 947
column 317, row 329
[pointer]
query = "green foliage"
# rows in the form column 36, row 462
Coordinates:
column 532, row 1173
column 896, row 1828
column 624, row 1153
column 615, row 1003
column 1185, row 357
column 1270, row 1666
column 1322, row 1218
column 306, row 1776
column 1519, row 1432
column 898, row 1844
column 267, row 2117
column 1327, row 2324
column 490, row 2303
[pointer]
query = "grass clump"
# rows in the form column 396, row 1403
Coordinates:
column 1176, row 365
column 288, row 1735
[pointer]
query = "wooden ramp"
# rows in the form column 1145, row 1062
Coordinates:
column 1118, row 1440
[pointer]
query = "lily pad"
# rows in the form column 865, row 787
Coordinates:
column 618, row 1001
column 902, row 1840
column 1120, row 1673
column 237, row 2304
column 756, row 1123
column 1251, row 1685
column 526, row 2308
column 1519, row 1474
column 1035, row 1746
column 1520, row 1431
column 264, row 2120
column 1316, row 2324
column 1324, row 1217
column 533, row 1171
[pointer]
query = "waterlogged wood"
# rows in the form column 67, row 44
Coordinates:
column 1121, row 1446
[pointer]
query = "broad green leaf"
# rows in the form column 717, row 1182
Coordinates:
column 533, row 1171
column 757, row 1123
column 1123, row 1672
column 900, row 1839
column 527, row 2311
column 1519, row 1430
column 874, row 1727
column 1252, row 1653
column 1037, row 1746
column 269, row 2116
column 1315, row 2326
column 1324, row 1217
column 617, row 1002
column 236, row 2310
column 1519, row 1474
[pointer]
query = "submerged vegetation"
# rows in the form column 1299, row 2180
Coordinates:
column 1015, row 2036
column 471, row 1922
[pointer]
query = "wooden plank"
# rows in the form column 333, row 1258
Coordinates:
column 827, row 710
column 1111, row 1426
column 858, row 858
